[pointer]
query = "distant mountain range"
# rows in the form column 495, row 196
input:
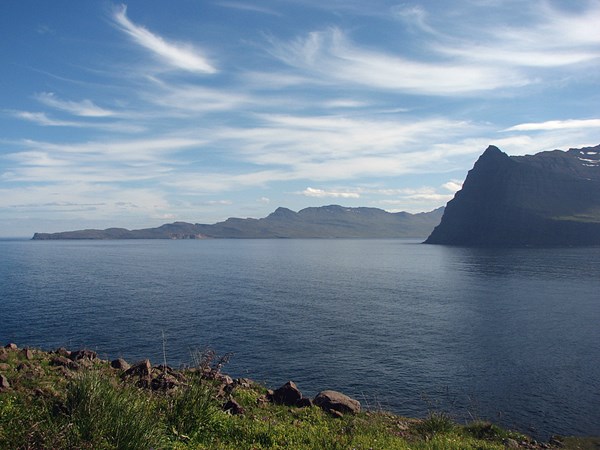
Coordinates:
column 547, row 199
column 320, row 222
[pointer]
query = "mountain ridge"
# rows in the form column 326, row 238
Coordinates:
column 331, row 221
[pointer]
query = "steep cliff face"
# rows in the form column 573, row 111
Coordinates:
column 547, row 199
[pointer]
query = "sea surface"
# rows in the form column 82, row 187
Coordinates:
column 510, row 335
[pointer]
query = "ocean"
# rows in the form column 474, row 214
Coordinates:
column 508, row 335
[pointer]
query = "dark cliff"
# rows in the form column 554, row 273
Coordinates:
column 548, row 199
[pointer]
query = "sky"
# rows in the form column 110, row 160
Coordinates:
column 141, row 113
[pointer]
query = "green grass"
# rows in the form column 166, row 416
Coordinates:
column 92, row 408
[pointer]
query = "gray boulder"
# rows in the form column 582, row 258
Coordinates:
column 335, row 402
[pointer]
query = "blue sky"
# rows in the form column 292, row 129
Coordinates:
column 149, row 112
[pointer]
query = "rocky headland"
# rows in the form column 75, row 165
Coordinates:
column 547, row 199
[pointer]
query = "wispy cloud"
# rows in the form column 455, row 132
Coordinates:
column 83, row 108
column 413, row 15
column 331, row 55
column 189, row 99
column 552, row 38
column 321, row 193
column 451, row 61
column 247, row 7
column 41, row 118
column 556, row 125
column 181, row 56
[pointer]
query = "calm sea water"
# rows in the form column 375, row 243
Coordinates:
column 507, row 335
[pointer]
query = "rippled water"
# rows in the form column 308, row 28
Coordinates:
column 508, row 335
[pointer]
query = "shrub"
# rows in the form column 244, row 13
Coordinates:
column 435, row 423
column 107, row 415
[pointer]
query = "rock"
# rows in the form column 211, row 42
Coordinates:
column 4, row 367
column 510, row 443
column 243, row 382
column 233, row 407
column 61, row 361
column 335, row 413
column 120, row 364
column 4, row 384
column 163, row 382
column 225, row 379
column 141, row 369
column 288, row 394
column 336, row 401
column 263, row 400
column 304, row 403
column 62, row 352
column 28, row 354
column 11, row 346
column 83, row 354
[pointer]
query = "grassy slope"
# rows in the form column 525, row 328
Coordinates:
column 88, row 405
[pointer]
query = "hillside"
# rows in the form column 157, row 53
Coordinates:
column 65, row 399
column 547, row 199
column 322, row 222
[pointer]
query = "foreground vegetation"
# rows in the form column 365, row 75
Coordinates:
column 57, row 400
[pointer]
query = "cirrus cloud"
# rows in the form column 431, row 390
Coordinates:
column 181, row 56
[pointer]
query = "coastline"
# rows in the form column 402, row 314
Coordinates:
column 49, row 381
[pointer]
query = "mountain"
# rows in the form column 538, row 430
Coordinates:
column 323, row 222
column 547, row 199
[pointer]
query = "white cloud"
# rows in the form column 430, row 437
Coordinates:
column 344, row 103
column 219, row 202
column 422, row 194
column 181, row 56
column 453, row 185
column 556, row 125
column 84, row 108
column 320, row 193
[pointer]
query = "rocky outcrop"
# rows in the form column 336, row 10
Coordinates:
column 548, row 199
